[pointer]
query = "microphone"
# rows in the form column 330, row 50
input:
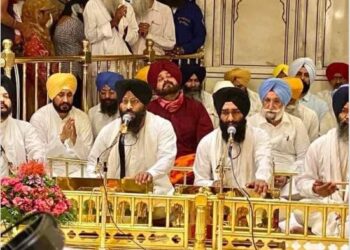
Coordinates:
column 231, row 130
column 126, row 119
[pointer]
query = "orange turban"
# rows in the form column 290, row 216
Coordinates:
column 296, row 86
column 142, row 73
column 242, row 75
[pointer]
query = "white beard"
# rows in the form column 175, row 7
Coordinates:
column 273, row 115
column 140, row 7
column 111, row 5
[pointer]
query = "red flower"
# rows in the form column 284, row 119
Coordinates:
column 31, row 168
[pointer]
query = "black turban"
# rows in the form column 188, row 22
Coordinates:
column 189, row 69
column 232, row 94
column 340, row 98
column 139, row 88
column 10, row 87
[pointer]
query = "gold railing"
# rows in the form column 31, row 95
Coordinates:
column 124, row 64
column 191, row 222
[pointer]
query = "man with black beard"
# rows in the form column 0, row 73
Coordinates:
column 326, row 164
column 288, row 135
column 64, row 129
column 251, row 151
column 146, row 152
column 19, row 139
column 107, row 110
column 192, row 80
column 305, row 69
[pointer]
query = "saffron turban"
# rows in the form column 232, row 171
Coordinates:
column 340, row 98
column 142, row 73
column 296, row 86
column 306, row 62
column 232, row 94
column 60, row 81
column 241, row 74
column 278, row 86
column 139, row 88
column 158, row 67
column 10, row 87
column 222, row 84
column 108, row 78
column 280, row 68
column 189, row 69
column 338, row 67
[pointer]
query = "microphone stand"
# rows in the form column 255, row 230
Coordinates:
column 104, row 192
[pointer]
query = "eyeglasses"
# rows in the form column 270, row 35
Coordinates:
column 132, row 101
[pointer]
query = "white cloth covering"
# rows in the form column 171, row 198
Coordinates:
column 161, row 30
column 20, row 143
column 289, row 142
column 49, row 126
column 253, row 162
column 153, row 150
column 98, row 119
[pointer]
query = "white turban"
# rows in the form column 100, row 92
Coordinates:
column 222, row 84
column 305, row 62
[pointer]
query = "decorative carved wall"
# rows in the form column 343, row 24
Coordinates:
column 258, row 35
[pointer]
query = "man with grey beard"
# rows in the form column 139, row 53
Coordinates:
column 326, row 166
column 155, row 22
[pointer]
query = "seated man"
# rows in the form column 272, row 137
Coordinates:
column 147, row 152
column 107, row 110
column 326, row 163
column 337, row 74
column 305, row 69
column 280, row 71
column 240, row 78
column 251, row 151
column 188, row 116
column 64, row 129
column 19, row 139
column 288, row 136
column 193, row 76
column 294, row 107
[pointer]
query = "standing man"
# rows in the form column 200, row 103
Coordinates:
column 188, row 116
column 107, row 110
column 288, row 136
column 155, row 22
column 64, row 129
column 240, row 78
column 304, row 68
column 326, row 163
column 147, row 152
column 19, row 139
column 251, row 151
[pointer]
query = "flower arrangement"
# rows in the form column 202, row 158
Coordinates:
column 30, row 191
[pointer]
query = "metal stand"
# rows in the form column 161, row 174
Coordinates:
column 104, row 192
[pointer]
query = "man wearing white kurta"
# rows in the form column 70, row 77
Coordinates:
column 326, row 163
column 19, row 139
column 337, row 74
column 251, row 151
column 155, row 22
column 294, row 107
column 149, row 146
column 288, row 136
column 304, row 68
column 65, row 130
column 107, row 110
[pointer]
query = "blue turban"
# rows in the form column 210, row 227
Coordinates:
column 278, row 86
column 108, row 78
column 340, row 98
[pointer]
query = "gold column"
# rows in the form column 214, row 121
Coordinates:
column 87, row 61
column 201, row 202
column 7, row 57
column 149, row 51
